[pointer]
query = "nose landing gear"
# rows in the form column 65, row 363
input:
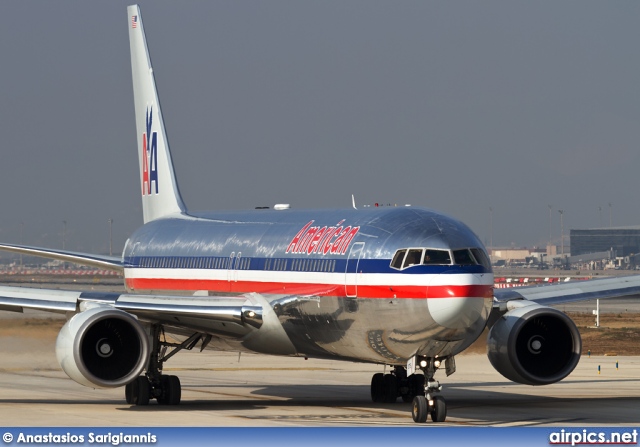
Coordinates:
column 416, row 388
column 427, row 404
column 423, row 406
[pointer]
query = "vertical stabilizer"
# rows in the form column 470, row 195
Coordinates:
column 160, row 194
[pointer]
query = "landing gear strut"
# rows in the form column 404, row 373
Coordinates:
column 427, row 404
column 155, row 385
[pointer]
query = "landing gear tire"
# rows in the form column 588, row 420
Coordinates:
column 138, row 392
column 170, row 391
column 128, row 393
column 420, row 409
column 415, row 383
column 390, row 388
column 439, row 410
column 155, row 385
column 427, row 402
column 377, row 387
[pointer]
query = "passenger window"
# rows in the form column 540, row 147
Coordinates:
column 396, row 263
column 414, row 257
column 436, row 257
column 463, row 257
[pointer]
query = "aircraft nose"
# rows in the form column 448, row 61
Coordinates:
column 460, row 301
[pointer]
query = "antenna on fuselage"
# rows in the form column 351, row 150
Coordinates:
column 353, row 202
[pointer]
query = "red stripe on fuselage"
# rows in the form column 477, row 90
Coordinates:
column 364, row 291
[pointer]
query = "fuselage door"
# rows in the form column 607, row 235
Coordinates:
column 235, row 267
column 231, row 265
column 351, row 272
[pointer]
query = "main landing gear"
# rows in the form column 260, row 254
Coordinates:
column 155, row 385
column 416, row 388
column 388, row 387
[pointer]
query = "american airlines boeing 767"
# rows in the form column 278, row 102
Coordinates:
column 406, row 287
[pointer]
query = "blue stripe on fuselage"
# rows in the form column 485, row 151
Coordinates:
column 291, row 265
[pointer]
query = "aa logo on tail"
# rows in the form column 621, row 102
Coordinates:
column 149, row 157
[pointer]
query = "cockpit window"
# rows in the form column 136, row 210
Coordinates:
column 436, row 257
column 408, row 257
column 481, row 257
column 463, row 257
column 414, row 257
column 396, row 263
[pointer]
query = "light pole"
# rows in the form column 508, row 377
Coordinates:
column 64, row 238
column 491, row 228
column 561, row 231
column 610, row 220
column 64, row 233
column 21, row 241
column 550, row 207
column 110, row 237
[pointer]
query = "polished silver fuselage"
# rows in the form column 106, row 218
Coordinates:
column 327, row 277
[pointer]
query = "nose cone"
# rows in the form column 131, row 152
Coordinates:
column 458, row 301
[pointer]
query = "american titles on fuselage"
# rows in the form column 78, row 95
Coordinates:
column 323, row 240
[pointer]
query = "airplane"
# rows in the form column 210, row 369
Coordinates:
column 405, row 287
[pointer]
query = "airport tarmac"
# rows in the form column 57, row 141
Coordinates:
column 223, row 389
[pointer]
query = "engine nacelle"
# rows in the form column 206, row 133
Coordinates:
column 534, row 344
column 102, row 348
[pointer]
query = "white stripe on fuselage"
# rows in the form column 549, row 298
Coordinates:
column 372, row 279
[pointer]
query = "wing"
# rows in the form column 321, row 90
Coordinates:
column 103, row 262
column 552, row 294
column 234, row 316
column 102, row 334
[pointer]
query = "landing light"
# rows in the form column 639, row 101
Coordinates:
column 436, row 363
column 423, row 364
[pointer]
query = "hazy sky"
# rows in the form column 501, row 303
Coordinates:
column 460, row 106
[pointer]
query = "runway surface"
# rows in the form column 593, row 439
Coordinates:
column 221, row 389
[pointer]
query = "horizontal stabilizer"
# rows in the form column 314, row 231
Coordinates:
column 98, row 261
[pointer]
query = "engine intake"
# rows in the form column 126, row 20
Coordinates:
column 534, row 345
column 102, row 347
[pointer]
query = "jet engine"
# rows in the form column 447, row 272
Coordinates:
column 102, row 347
column 534, row 344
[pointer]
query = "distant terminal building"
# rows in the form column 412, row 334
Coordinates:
column 517, row 257
column 624, row 241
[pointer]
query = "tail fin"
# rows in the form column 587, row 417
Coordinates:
column 160, row 193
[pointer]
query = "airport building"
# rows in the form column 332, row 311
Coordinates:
column 624, row 241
